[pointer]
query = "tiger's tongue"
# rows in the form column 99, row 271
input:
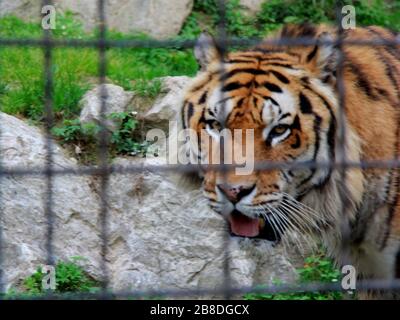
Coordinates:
column 244, row 226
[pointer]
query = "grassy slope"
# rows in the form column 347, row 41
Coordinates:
column 75, row 69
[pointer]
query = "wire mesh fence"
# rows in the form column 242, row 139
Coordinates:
column 103, row 170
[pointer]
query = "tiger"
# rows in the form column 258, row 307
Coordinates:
column 321, row 103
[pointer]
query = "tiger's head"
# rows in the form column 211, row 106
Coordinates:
column 286, row 97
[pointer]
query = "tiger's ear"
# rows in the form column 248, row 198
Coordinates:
column 206, row 50
column 323, row 58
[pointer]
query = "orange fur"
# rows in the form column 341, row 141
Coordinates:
column 304, row 81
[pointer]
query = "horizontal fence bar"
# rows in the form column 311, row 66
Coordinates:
column 361, row 286
column 118, row 169
column 151, row 43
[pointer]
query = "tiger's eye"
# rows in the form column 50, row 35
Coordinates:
column 278, row 130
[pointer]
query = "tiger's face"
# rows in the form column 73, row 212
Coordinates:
column 286, row 100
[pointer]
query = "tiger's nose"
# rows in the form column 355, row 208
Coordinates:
column 235, row 193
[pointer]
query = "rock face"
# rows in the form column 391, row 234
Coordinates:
column 117, row 100
column 162, row 235
column 158, row 18
column 22, row 202
column 167, row 105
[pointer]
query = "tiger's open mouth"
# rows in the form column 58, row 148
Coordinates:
column 244, row 226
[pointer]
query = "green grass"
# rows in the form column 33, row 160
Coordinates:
column 75, row 69
column 316, row 268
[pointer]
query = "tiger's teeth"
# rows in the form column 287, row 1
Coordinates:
column 261, row 223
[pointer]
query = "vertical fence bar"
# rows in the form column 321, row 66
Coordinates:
column 222, row 48
column 103, row 145
column 341, row 144
column 2, row 246
column 49, row 121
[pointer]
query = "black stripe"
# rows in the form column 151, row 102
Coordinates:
column 251, row 55
column 361, row 80
column 332, row 124
column 285, row 177
column 240, row 102
column 280, row 76
column 297, row 143
column 222, row 101
column 312, row 54
column 273, row 101
column 271, row 87
column 251, row 71
column 391, row 50
column 305, row 105
column 273, row 58
column 296, row 123
column 240, row 61
column 331, row 135
column 189, row 113
column 284, row 116
column 183, row 115
column 255, row 100
column 202, row 85
column 317, row 128
column 283, row 65
column 390, row 74
column 236, row 85
column 203, row 98
column 388, row 65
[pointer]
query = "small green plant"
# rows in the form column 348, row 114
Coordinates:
column 123, row 140
column 316, row 268
column 70, row 277
column 74, row 131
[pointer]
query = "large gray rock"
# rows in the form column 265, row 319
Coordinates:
column 23, row 200
column 157, row 18
column 161, row 234
column 117, row 100
column 167, row 106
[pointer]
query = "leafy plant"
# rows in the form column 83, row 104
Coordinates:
column 74, row 131
column 316, row 268
column 122, row 139
column 70, row 277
